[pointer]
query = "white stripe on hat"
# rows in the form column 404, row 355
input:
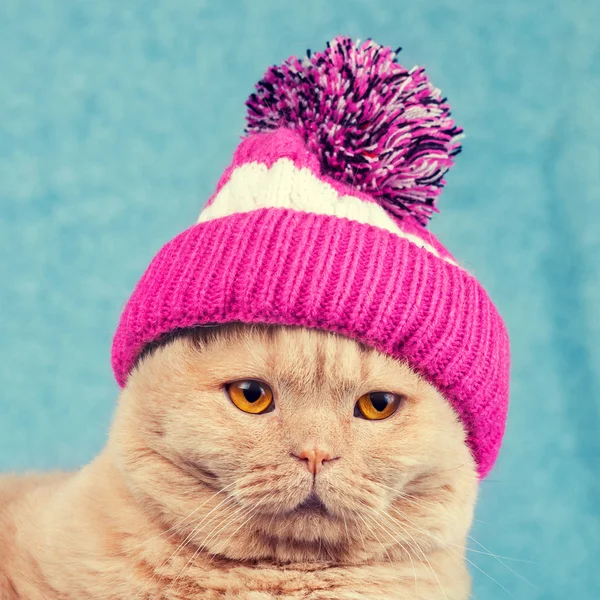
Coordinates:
column 254, row 186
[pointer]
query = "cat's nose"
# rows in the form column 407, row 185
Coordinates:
column 314, row 459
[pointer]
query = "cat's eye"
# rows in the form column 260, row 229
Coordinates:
column 250, row 395
column 377, row 405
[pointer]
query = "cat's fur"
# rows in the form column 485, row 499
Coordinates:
column 193, row 498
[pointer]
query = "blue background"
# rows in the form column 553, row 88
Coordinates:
column 116, row 120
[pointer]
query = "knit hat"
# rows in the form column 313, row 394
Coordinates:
column 320, row 222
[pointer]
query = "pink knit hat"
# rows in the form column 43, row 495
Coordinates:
column 320, row 221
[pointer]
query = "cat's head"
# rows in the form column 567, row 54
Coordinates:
column 267, row 442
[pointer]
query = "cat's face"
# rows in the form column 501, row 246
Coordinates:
column 197, row 453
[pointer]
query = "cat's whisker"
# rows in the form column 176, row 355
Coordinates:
column 417, row 547
column 248, row 519
column 448, row 547
column 405, row 494
column 255, row 510
column 411, row 547
column 421, row 552
column 236, row 511
column 184, row 542
column 173, row 528
column 443, row 543
column 359, row 529
column 268, row 528
column 490, row 577
column 188, row 565
column 192, row 533
column 487, row 552
column 420, row 503
column 376, row 537
column 498, row 558
column 319, row 551
column 217, row 530
column 377, row 522
column 346, row 526
column 172, row 555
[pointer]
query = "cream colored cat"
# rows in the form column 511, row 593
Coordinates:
column 251, row 462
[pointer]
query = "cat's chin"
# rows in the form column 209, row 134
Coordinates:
column 304, row 525
column 311, row 514
column 303, row 512
column 305, row 537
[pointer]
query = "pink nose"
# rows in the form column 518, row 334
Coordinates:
column 314, row 459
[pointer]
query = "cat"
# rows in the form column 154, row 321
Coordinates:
column 194, row 496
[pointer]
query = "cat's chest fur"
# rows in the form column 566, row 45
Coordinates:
column 187, row 577
column 315, row 582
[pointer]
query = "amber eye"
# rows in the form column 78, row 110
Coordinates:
column 250, row 396
column 377, row 405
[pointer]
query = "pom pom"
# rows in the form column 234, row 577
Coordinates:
column 382, row 129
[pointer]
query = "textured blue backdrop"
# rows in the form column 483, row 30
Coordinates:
column 116, row 119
